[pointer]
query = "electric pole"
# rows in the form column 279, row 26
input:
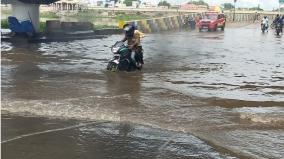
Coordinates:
column 234, row 10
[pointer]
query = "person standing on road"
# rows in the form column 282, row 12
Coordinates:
column 255, row 17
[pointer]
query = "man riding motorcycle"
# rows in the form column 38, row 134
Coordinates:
column 191, row 22
column 264, row 24
column 282, row 23
column 278, row 20
column 133, row 38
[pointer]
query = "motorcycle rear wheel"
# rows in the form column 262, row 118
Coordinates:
column 278, row 32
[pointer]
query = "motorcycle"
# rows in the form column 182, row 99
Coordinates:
column 121, row 60
column 278, row 28
column 263, row 27
column 190, row 22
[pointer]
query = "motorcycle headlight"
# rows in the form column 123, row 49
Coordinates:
column 114, row 50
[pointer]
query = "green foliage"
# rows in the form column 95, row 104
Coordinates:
column 128, row 2
column 126, row 17
column 42, row 26
column 120, row 13
column 88, row 15
column 200, row 2
column 104, row 27
column 49, row 15
column 164, row 3
column 228, row 6
column 256, row 9
column 92, row 15
column 4, row 24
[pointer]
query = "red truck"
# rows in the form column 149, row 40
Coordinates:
column 212, row 21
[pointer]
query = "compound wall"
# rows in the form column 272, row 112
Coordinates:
column 159, row 24
column 177, row 22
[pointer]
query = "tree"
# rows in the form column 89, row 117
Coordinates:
column 128, row 2
column 228, row 6
column 164, row 3
column 200, row 2
column 256, row 8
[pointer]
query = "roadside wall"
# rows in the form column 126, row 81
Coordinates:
column 177, row 22
column 158, row 24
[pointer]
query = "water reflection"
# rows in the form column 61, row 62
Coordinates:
column 126, row 87
column 25, row 73
column 26, row 80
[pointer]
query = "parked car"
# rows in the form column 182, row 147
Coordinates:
column 212, row 21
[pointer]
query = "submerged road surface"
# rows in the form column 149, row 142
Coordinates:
column 199, row 95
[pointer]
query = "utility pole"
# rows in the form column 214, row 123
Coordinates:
column 234, row 10
column 281, row 4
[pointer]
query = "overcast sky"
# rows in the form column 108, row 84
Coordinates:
column 265, row 4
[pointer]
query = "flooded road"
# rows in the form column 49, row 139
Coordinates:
column 200, row 95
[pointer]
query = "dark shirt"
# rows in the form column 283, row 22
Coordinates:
column 277, row 20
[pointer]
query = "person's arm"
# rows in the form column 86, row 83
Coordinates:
column 124, row 39
column 141, row 35
column 274, row 21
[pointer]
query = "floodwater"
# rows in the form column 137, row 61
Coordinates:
column 199, row 95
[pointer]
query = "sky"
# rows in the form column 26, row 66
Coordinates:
column 265, row 4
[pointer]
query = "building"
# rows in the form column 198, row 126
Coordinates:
column 193, row 7
column 120, row 4
column 135, row 4
column 148, row 5
column 69, row 5
column 215, row 9
column 100, row 3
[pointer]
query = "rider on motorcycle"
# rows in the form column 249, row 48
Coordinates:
column 265, row 22
column 279, row 20
column 133, row 38
column 191, row 22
